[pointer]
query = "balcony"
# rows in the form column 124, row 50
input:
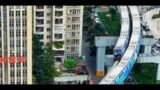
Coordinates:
column 58, row 45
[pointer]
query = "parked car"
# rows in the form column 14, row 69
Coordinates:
column 81, row 68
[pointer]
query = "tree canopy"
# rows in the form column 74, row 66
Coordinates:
column 70, row 64
column 43, row 63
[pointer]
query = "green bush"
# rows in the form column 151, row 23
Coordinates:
column 112, row 24
column 156, row 16
column 70, row 64
column 59, row 44
column 145, row 73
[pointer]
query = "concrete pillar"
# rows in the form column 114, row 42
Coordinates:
column 109, row 68
column 109, row 62
column 158, row 74
column 100, row 61
column 147, row 49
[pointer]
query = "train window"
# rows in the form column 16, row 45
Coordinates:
column 113, row 82
column 121, row 64
column 125, row 58
column 120, row 74
column 107, row 81
column 132, row 47
column 112, row 76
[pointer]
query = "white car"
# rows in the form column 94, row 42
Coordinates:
column 95, row 15
column 158, row 44
column 97, row 20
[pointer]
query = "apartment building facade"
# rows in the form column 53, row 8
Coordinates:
column 15, row 44
column 61, row 26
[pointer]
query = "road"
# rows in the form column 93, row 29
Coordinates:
column 90, row 61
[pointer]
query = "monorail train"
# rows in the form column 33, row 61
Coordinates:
column 123, row 68
column 123, row 39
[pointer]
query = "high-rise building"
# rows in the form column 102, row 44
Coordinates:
column 61, row 26
column 15, row 44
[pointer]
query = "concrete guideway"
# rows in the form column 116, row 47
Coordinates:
column 121, row 71
column 156, row 35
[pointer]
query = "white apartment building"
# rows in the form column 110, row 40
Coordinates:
column 16, row 44
column 62, row 26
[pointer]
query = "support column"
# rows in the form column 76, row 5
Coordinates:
column 109, row 62
column 158, row 74
column 100, row 61
column 147, row 49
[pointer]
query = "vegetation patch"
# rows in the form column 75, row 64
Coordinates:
column 111, row 21
column 59, row 44
column 145, row 73
column 70, row 64
column 156, row 16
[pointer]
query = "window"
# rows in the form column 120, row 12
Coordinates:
column 74, row 11
column 41, row 43
column 58, row 28
column 58, row 21
column 40, row 14
column 72, row 49
column 48, row 37
column 17, row 22
column 48, row 14
column 48, row 22
column 68, row 41
column 75, row 26
column 73, row 34
column 78, row 11
column 24, row 22
column 58, row 36
column 11, row 13
column 69, row 26
column 12, row 73
column 48, row 29
column 75, row 41
column 40, row 36
column 69, row 18
column 75, row 19
column 24, row 13
column 24, row 33
column 17, row 13
column 58, row 13
column 39, row 21
column 11, row 23
column 39, row 29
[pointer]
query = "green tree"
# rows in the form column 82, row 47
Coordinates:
column 43, row 63
column 70, row 64
column 97, row 30
column 49, row 66
column 87, row 20
column 37, row 61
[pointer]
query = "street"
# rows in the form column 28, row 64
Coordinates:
column 90, row 61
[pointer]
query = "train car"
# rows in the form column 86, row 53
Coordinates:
column 123, row 68
column 123, row 39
